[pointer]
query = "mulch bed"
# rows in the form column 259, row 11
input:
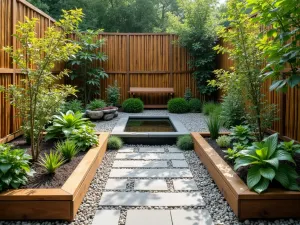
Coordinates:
column 41, row 179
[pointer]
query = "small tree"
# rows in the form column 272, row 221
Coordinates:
column 86, row 64
column 241, row 40
column 39, row 95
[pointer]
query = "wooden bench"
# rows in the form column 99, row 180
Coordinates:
column 134, row 90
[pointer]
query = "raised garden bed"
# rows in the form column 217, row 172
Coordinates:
column 54, row 203
column 275, row 203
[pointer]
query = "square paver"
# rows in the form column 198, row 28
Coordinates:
column 180, row 163
column 191, row 217
column 126, row 149
column 150, row 185
column 151, row 173
column 185, row 185
column 174, row 150
column 110, row 198
column 147, row 156
column 140, row 163
column 148, row 217
column 107, row 217
column 151, row 149
column 116, row 184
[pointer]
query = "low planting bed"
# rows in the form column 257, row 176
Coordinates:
column 246, row 204
column 59, row 203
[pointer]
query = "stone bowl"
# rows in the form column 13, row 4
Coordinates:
column 94, row 115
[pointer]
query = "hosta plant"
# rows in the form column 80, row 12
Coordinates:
column 242, row 134
column 67, row 148
column 65, row 124
column 231, row 154
column 14, row 167
column 290, row 147
column 51, row 161
column 84, row 137
column 223, row 141
column 265, row 162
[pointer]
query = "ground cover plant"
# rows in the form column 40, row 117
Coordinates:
column 52, row 161
column 68, row 149
column 185, row 142
column 133, row 105
column 210, row 107
column 223, row 141
column 114, row 143
column 178, row 105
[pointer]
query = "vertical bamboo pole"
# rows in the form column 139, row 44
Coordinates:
column 13, row 126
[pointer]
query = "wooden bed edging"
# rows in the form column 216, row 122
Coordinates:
column 54, row 204
column 275, row 203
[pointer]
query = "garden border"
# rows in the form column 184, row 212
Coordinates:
column 275, row 203
column 59, row 203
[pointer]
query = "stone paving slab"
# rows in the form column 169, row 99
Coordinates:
column 126, row 149
column 151, row 149
column 151, row 199
column 146, row 156
column 148, row 217
column 185, row 185
column 174, row 150
column 116, row 184
column 150, row 185
column 151, row 173
column 107, row 217
column 191, row 217
column 139, row 163
column 180, row 163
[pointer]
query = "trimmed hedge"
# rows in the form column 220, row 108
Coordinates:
column 133, row 105
column 178, row 105
column 195, row 105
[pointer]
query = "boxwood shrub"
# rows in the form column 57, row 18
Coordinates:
column 195, row 105
column 114, row 143
column 178, row 105
column 133, row 105
column 185, row 142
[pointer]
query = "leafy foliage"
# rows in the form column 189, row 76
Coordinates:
column 68, row 149
column 231, row 153
column 113, row 94
column 84, row 137
column 64, row 124
column 96, row 104
column 133, row 105
column 14, row 167
column 178, row 105
column 265, row 162
column 114, row 143
column 40, row 95
column 214, row 124
column 188, row 94
column 195, row 105
column 195, row 25
column 280, row 39
column 52, row 161
column 209, row 108
column 242, row 134
column 81, row 64
column 223, row 141
column 185, row 142
column 290, row 147
column 73, row 105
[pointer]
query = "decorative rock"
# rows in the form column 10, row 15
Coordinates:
column 94, row 115
column 108, row 117
column 116, row 114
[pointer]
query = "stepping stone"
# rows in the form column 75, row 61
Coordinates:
column 151, row 199
column 150, row 185
column 139, row 163
column 116, row 184
column 185, row 185
column 110, row 217
column 148, row 217
column 152, row 149
column 146, row 156
column 126, row 150
column 180, row 163
column 191, row 217
column 175, row 150
column 151, row 173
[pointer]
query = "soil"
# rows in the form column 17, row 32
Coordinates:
column 41, row 179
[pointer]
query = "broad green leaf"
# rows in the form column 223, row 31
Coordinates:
column 262, row 185
column 267, row 172
column 282, row 177
column 271, row 143
column 253, row 176
column 262, row 153
column 284, row 155
column 294, row 80
column 5, row 167
column 242, row 161
column 273, row 162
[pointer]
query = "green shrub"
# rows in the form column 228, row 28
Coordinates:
column 185, row 142
column 178, row 105
column 52, row 161
column 223, row 141
column 210, row 107
column 14, row 167
column 195, row 105
column 113, row 94
column 114, row 143
column 242, row 134
column 84, row 137
column 64, row 124
column 68, row 149
column 266, row 163
column 96, row 104
column 74, row 105
column 188, row 94
column 133, row 105
column 214, row 124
